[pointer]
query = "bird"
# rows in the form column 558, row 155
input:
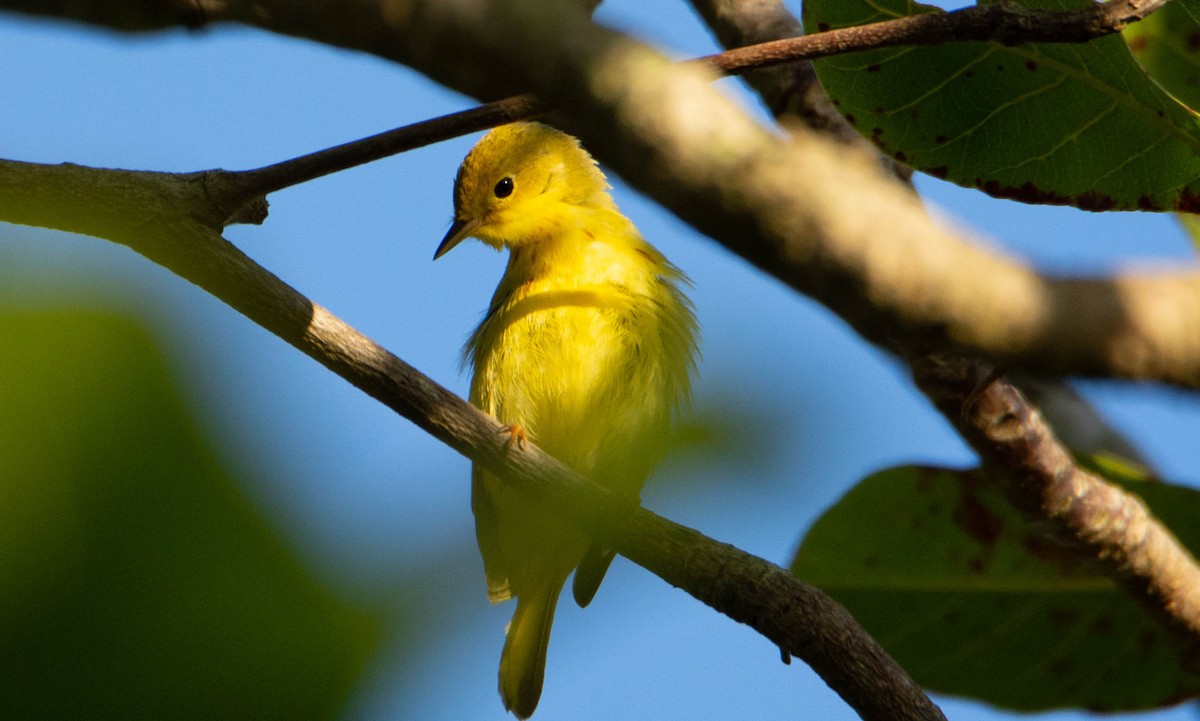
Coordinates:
column 588, row 349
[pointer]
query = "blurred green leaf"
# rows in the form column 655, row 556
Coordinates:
column 1061, row 124
column 135, row 581
column 1167, row 45
column 972, row 602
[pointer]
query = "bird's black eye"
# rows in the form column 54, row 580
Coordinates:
column 504, row 188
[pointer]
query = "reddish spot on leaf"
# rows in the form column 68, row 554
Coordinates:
column 879, row 110
column 976, row 519
column 1030, row 65
column 1138, row 44
column 969, row 74
column 940, row 171
column 1192, row 42
column 1052, row 553
column 1026, row 193
column 1145, row 202
column 850, row 119
column 873, row 68
column 1092, row 200
column 822, row 26
column 940, row 139
column 899, row 155
column 1189, row 201
column 877, row 132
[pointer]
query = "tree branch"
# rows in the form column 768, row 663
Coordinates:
column 172, row 220
column 271, row 178
column 1102, row 523
column 1002, row 23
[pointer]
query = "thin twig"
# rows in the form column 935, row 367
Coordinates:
column 1003, row 23
column 271, row 178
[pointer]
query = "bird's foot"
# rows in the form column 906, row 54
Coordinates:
column 516, row 435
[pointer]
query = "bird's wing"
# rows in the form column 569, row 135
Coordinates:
column 487, row 533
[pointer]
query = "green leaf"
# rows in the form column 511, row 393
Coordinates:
column 972, row 602
column 1062, row 124
column 137, row 583
column 1167, row 45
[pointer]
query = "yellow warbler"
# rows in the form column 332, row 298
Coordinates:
column 587, row 348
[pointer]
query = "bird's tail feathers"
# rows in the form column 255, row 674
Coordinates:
column 590, row 573
column 523, row 661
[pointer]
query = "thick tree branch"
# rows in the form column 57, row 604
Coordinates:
column 171, row 219
column 790, row 206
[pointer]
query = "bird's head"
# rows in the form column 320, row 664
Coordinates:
column 519, row 184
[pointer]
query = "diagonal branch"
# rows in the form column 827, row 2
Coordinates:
column 170, row 219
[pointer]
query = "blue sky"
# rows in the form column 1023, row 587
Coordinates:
column 364, row 495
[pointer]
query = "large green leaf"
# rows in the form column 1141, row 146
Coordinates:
column 972, row 602
column 135, row 581
column 1167, row 45
column 1060, row 124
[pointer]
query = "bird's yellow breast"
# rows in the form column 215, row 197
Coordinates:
column 583, row 347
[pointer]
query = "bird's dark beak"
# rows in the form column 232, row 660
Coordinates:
column 459, row 231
